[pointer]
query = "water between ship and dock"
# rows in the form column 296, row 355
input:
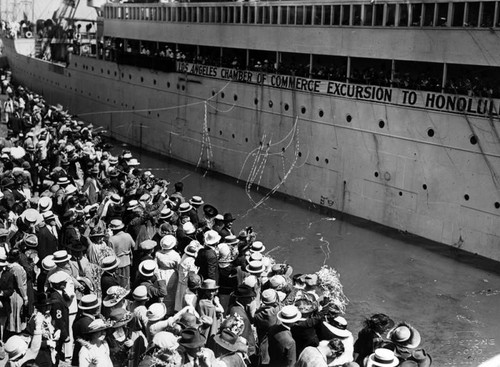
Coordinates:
column 451, row 297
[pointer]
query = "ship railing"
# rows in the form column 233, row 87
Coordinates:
column 145, row 61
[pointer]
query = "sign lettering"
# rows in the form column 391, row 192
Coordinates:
column 419, row 99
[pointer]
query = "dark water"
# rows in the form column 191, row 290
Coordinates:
column 452, row 299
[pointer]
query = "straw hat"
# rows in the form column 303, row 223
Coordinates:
column 231, row 239
column 48, row 262
column 289, row 315
column 156, row 311
column 61, row 256
column 255, row 267
column 58, row 277
column 44, row 204
column 88, row 302
column 196, row 201
column 116, row 224
column 185, row 207
column 140, row 293
column 166, row 213
column 269, row 296
column 338, row 327
column 147, row 245
column 191, row 250
column 165, row 340
column 110, row 262
column 382, row 357
column 211, row 237
column 15, row 347
column 257, row 246
column 70, row 189
column 133, row 162
column 188, row 228
column 147, row 268
column 168, row 242
column 405, row 335
column 96, row 326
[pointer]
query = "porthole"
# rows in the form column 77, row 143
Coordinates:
column 208, row 129
column 376, row 174
column 321, row 113
column 300, row 154
column 158, row 115
column 123, row 75
column 255, row 101
column 381, row 124
column 102, row 71
column 142, row 79
column 178, row 86
column 430, row 133
column 220, row 132
column 108, row 72
column 317, row 159
column 222, row 95
column 497, row 205
column 348, row 118
column 246, row 140
column 92, row 68
column 286, row 106
column 154, row 81
column 235, row 97
column 213, row 92
column 130, row 76
column 400, row 193
column 115, row 73
column 168, row 84
column 424, row 186
column 327, row 161
column 183, row 87
column 466, row 197
column 271, row 104
column 473, row 139
column 303, row 110
column 233, row 136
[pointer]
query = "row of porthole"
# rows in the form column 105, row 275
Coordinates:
column 466, row 196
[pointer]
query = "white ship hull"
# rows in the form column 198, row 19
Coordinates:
column 381, row 166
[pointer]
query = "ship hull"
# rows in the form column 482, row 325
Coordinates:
column 371, row 160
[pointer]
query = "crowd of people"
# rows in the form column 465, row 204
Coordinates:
column 104, row 264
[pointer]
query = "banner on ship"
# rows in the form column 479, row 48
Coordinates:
column 418, row 99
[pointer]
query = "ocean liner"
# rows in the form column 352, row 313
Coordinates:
column 384, row 110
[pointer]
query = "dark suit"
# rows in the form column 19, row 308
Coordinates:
column 7, row 282
column 282, row 351
column 108, row 280
column 60, row 314
column 247, row 331
column 47, row 242
column 208, row 263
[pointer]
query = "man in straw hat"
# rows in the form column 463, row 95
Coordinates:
column 207, row 259
column 156, row 289
column 407, row 341
column 109, row 277
column 122, row 243
column 266, row 317
column 282, row 350
column 88, row 311
column 60, row 311
column 48, row 235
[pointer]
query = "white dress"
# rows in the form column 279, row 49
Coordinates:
column 168, row 262
column 93, row 356
column 185, row 267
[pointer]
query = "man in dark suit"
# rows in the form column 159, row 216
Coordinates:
column 47, row 235
column 88, row 312
column 207, row 260
column 60, row 310
column 244, row 296
column 109, row 278
column 282, row 350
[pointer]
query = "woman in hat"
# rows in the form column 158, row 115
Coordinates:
column 163, row 352
column 186, row 266
column 168, row 261
column 372, row 336
column 95, row 349
column 126, row 341
column 19, row 350
column 193, row 284
column 209, row 305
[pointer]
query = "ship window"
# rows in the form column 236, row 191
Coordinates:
column 284, row 16
column 356, row 15
column 472, row 15
column 206, row 15
column 415, row 14
column 218, row 14
column 317, row 14
column 154, row 14
column 300, row 15
column 183, row 14
column 458, row 14
column 428, row 15
column 403, row 15
column 368, row 15
column 237, row 15
column 251, row 14
column 230, row 15
column 291, row 15
column 274, row 14
column 308, row 15
column 379, row 15
column 327, row 14
column 266, row 18
column 260, row 14
column 390, row 15
column 346, row 14
column 442, row 16
column 487, row 14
